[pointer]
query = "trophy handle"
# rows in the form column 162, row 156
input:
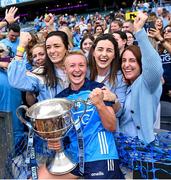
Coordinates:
column 20, row 117
column 75, row 106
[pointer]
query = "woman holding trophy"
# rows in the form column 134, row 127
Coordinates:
column 98, row 125
column 46, row 84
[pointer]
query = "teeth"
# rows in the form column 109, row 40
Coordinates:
column 127, row 70
column 103, row 59
column 76, row 75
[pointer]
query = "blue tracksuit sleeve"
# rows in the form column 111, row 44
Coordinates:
column 151, row 62
column 21, row 79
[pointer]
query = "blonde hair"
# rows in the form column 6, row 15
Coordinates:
column 75, row 52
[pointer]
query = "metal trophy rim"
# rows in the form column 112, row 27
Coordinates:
column 48, row 101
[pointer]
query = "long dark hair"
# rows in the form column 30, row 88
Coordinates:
column 136, row 52
column 51, row 78
column 87, row 36
column 114, row 67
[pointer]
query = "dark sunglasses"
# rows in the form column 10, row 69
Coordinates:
column 1, row 50
column 167, row 30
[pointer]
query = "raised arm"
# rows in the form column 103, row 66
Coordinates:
column 9, row 17
column 151, row 62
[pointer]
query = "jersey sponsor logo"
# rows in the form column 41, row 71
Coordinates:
column 166, row 57
column 90, row 111
column 80, row 108
column 100, row 173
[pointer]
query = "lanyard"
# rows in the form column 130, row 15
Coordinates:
column 31, row 157
column 80, row 146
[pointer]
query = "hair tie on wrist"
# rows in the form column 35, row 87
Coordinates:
column 18, row 55
column 6, row 22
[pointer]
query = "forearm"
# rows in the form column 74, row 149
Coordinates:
column 17, row 76
column 107, row 116
column 3, row 24
column 116, row 107
column 149, row 56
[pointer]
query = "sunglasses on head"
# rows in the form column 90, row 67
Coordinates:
column 1, row 50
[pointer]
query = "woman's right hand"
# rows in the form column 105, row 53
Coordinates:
column 140, row 21
column 25, row 38
column 10, row 15
column 108, row 95
column 154, row 33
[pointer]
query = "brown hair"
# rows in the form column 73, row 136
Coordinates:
column 30, row 58
column 114, row 67
column 30, row 46
column 136, row 52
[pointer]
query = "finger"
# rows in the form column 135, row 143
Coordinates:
column 16, row 18
column 6, row 12
column 15, row 10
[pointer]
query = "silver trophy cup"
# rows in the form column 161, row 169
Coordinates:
column 51, row 120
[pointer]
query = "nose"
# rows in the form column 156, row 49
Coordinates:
column 52, row 50
column 125, row 63
column 104, row 52
column 77, row 68
column 88, row 46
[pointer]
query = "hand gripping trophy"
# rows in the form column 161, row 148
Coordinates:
column 51, row 120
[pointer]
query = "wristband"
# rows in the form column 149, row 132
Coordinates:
column 20, row 49
column 6, row 22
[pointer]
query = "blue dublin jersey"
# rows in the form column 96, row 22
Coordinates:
column 99, row 143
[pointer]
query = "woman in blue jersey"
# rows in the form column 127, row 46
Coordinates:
column 53, row 79
column 100, row 154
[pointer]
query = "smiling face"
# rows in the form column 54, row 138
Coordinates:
column 159, row 24
column 130, row 67
column 104, row 54
column 56, row 50
column 87, row 45
column 38, row 55
column 76, row 68
column 167, row 33
column 130, row 39
column 114, row 27
column 99, row 30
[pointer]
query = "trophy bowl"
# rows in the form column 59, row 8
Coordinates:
column 51, row 120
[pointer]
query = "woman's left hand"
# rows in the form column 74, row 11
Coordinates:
column 108, row 95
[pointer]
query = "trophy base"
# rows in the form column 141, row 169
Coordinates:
column 60, row 165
